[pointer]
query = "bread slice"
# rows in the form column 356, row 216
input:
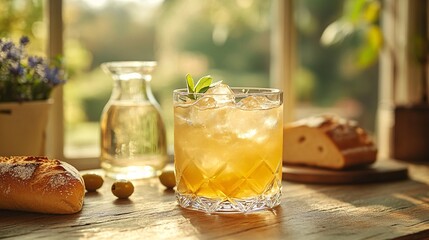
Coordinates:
column 327, row 141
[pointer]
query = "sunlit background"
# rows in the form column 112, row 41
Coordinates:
column 337, row 46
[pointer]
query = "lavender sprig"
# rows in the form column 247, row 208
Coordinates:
column 26, row 78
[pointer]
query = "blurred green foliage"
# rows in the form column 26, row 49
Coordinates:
column 18, row 17
column 338, row 62
column 359, row 20
column 22, row 17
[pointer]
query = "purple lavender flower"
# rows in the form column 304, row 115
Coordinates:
column 7, row 46
column 52, row 75
column 25, row 81
column 13, row 54
column 33, row 61
column 24, row 40
column 17, row 70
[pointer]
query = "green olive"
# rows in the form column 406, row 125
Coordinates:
column 168, row 179
column 122, row 188
column 92, row 181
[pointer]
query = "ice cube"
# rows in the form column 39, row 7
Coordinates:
column 255, row 117
column 205, row 103
column 212, row 110
column 207, row 112
column 256, row 102
column 222, row 94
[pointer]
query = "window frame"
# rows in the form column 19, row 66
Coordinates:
column 55, row 130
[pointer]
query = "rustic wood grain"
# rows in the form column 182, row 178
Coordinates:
column 367, row 211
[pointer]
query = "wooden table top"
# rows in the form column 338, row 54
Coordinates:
column 368, row 211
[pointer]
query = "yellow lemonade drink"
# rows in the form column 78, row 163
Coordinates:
column 228, row 149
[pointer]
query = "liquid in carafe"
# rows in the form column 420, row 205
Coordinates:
column 133, row 138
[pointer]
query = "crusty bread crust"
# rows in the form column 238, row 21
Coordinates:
column 327, row 141
column 38, row 184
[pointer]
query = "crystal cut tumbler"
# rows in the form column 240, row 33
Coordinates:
column 228, row 149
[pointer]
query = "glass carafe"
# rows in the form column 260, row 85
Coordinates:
column 133, row 139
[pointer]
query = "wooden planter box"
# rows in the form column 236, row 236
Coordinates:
column 23, row 128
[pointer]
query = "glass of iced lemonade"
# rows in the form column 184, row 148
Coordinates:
column 228, row 148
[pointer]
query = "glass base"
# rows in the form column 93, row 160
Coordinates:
column 210, row 205
column 129, row 173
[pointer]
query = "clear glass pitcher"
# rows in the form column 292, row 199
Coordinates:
column 133, row 139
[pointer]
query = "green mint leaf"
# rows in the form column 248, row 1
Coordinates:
column 192, row 96
column 203, row 84
column 190, row 83
column 204, row 89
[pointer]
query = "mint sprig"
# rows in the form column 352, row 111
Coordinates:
column 190, row 83
column 202, row 85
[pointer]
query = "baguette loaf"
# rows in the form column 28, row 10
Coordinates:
column 328, row 142
column 38, row 184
